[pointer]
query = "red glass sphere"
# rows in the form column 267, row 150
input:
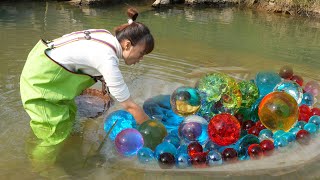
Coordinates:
column 194, row 147
column 286, row 72
column 267, row 147
column 298, row 79
column 304, row 109
column 246, row 125
column 315, row 111
column 255, row 151
column 199, row 159
column 224, row 129
column 254, row 130
column 304, row 113
column 304, row 117
column 229, row 155
column 303, row 137
column 259, row 125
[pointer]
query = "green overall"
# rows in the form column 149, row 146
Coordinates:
column 48, row 91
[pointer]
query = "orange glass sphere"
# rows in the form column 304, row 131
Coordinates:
column 278, row 111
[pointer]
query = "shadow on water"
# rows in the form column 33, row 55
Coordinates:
column 189, row 43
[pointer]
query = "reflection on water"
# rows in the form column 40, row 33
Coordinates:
column 189, row 43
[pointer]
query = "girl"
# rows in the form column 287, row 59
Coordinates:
column 58, row 71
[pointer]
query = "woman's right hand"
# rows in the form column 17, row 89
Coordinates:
column 139, row 115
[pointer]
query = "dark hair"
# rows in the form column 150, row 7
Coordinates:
column 135, row 32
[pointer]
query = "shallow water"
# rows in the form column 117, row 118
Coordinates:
column 189, row 43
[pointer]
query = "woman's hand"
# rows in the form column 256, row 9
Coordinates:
column 139, row 115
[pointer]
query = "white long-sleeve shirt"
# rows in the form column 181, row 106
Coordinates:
column 95, row 59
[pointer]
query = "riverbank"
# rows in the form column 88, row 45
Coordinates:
column 309, row 8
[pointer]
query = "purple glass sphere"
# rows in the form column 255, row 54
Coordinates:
column 190, row 131
column 128, row 142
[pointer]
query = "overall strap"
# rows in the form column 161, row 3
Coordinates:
column 81, row 32
column 85, row 37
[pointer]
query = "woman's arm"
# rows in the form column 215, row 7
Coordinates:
column 137, row 112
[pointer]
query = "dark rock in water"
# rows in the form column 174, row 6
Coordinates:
column 93, row 104
column 90, row 106
column 177, row 1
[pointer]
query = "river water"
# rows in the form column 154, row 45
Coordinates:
column 189, row 43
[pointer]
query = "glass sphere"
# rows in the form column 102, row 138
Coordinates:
column 128, row 142
column 193, row 128
column 153, row 132
column 123, row 120
column 219, row 93
column 298, row 79
column 266, row 81
column 255, row 151
column 278, row 111
column 173, row 139
column 166, row 161
column 145, row 155
column 286, row 72
column 185, row 101
column 280, row 142
column 224, row 129
column 250, row 93
column 267, row 147
column 165, row 147
column 312, row 87
column 214, row 158
column 229, row 155
column 265, row 134
column 183, row 160
column 308, row 99
column 291, row 88
column 243, row 144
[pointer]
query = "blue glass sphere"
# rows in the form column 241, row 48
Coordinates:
column 311, row 128
column 165, row 147
column 294, row 131
column 266, row 82
column 315, row 120
column 174, row 131
column 289, row 136
column 280, row 142
column 265, row 134
column 145, row 155
column 173, row 139
column 183, row 160
column 183, row 148
column 278, row 133
column 214, row 158
column 300, row 124
column 307, row 99
column 123, row 120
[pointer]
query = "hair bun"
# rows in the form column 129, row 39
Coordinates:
column 132, row 13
